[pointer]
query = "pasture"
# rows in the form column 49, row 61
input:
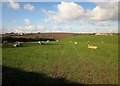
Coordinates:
column 62, row 61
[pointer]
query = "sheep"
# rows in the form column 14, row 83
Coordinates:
column 88, row 42
column 5, row 42
column 92, row 47
column 75, row 42
column 102, row 42
column 39, row 42
column 15, row 45
column 57, row 40
column 42, row 42
column 18, row 44
column 47, row 41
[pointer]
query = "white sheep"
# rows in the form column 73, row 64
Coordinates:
column 5, row 42
column 57, row 40
column 92, row 47
column 47, row 41
column 39, row 42
column 20, row 43
column 102, row 42
column 42, row 42
column 88, row 42
column 15, row 45
column 75, row 42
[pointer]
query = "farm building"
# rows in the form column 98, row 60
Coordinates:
column 103, row 34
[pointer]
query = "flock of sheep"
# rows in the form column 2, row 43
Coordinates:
column 89, row 46
column 20, row 44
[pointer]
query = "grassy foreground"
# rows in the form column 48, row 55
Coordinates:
column 62, row 60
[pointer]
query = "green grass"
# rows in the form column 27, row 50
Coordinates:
column 73, row 62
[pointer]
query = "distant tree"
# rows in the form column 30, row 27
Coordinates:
column 39, row 32
column 11, row 33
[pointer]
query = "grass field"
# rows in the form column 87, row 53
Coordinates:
column 62, row 61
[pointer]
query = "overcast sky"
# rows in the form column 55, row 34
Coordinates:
column 59, row 17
